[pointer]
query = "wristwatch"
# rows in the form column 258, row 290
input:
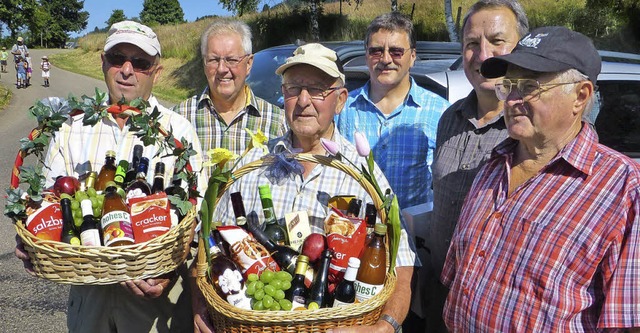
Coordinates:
column 391, row 321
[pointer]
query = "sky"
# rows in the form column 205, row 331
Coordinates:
column 100, row 11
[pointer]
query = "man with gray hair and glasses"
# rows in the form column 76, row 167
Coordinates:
column 227, row 105
column 550, row 239
column 467, row 132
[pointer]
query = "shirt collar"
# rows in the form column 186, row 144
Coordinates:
column 251, row 103
column 411, row 97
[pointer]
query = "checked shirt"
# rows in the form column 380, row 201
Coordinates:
column 560, row 254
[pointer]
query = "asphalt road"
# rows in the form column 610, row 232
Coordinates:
column 29, row 304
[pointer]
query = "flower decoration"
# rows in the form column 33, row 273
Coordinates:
column 282, row 166
column 390, row 202
column 258, row 140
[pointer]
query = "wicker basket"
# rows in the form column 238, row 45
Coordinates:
column 227, row 318
column 97, row 265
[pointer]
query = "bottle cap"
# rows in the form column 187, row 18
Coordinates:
column 264, row 190
column 302, row 258
column 354, row 262
column 160, row 168
column 380, row 228
column 110, row 153
column 137, row 150
column 91, row 180
column 110, row 183
column 354, row 207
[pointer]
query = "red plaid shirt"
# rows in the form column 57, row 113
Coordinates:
column 561, row 254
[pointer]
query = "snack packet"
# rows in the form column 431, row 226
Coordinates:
column 150, row 216
column 44, row 220
column 345, row 236
column 246, row 252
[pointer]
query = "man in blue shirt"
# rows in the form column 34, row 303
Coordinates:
column 398, row 117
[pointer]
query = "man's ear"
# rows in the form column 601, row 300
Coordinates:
column 342, row 99
column 584, row 93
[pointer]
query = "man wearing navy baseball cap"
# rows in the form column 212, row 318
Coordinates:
column 549, row 237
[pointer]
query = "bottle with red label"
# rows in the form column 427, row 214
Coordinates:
column 373, row 270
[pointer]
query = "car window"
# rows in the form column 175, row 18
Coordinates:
column 262, row 79
column 618, row 119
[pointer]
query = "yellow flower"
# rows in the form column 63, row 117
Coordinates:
column 258, row 140
column 219, row 157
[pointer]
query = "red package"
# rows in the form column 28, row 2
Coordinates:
column 150, row 216
column 45, row 220
column 345, row 236
column 246, row 252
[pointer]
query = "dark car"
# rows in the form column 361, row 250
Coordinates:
column 266, row 84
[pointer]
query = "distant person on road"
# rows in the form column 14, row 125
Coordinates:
column 4, row 56
column 27, row 59
column 467, row 132
column 45, row 66
column 228, row 106
column 19, row 48
column 131, row 65
column 21, row 72
column 398, row 117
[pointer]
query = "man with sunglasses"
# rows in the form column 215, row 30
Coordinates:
column 467, row 133
column 549, row 240
column 227, row 106
column 398, row 117
column 131, row 64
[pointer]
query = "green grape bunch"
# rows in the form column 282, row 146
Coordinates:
column 97, row 201
column 267, row 290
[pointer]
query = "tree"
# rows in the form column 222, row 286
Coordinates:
column 240, row 7
column 64, row 16
column 451, row 27
column 116, row 16
column 161, row 12
column 17, row 14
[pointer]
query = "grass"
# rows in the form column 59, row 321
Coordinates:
column 183, row 74
column 5, row 97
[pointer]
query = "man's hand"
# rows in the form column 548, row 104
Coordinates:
column 23, row 255
column 201, row 321
column 379, row 327
column 149, row 288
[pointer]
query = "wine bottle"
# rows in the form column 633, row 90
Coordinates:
column 158, row 179
column 370, row 279
column 90, row 233
column 121, row 173
column 345, row 292
column 140, row 187
column 238, row 210
column 226, row 278
column 297, row 294
column 370, row 215
column 133, row 166
column 69, row 234
column 354, row 208
column 90, row 182
column 175, row 189
column 274, row 231
column 107, row 172
column 319, row 291
column 283, row 255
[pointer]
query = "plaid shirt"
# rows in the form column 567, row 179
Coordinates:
column 403, row 142
column 560, row 254
column 76, row 149
column 462, row 147
column 215, row 133
column 311, row 194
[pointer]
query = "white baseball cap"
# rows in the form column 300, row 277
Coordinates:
column 316, row 55
column 133, row 33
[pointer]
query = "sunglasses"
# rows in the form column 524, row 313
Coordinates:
column 138, row 64
column 394, row 52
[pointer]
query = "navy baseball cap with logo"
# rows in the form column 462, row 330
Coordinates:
column 548, row 50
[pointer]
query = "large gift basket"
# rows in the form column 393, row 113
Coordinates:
column 228, row 318
column 94, row 265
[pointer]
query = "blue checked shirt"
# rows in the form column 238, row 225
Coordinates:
column 311, row 194
column 403, row 142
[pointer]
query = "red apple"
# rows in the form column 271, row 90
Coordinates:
column 313, row 246
column 66, row 184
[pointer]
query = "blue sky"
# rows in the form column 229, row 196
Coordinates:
column 100, row 10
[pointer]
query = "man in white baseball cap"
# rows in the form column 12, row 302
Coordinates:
column 133, row 33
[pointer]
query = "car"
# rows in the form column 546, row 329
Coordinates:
column 266, row 84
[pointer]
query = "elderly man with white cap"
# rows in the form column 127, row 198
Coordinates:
column 131, row 64
column 313, row 89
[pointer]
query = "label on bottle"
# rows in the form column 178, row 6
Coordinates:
column 364, row 291
column 298, row 302
column 337, row 303
column 230, row 284
column 90, row 237
column 116, row 226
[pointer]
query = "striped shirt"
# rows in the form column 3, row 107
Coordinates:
column 311, row 194
column 215, row 133
column 560, row 254
column 76, row 149
column 462, row 147
column 403, row 141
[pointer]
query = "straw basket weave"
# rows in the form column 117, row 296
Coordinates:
column 227, row 318
column 98, row 265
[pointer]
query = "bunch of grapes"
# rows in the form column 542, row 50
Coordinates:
column 267, row 290
column 97, row 200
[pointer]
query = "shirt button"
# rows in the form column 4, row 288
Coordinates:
column 465, row 167
column 476, row 131
column 481, row 254
column 386, row 123
column 465, row 291
column 497, row 215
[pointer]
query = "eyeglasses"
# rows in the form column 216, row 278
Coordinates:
column 317, row 93
column 394, row 52
column 230, row 62
column 138, row 64
column 524, row 87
